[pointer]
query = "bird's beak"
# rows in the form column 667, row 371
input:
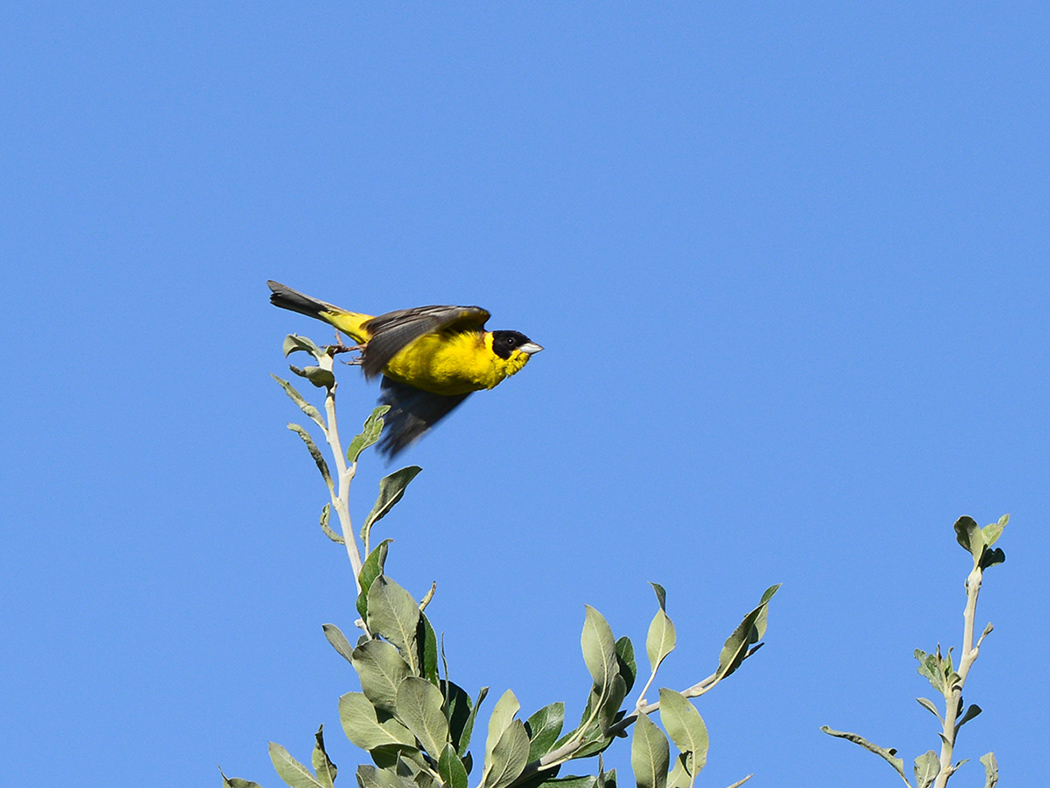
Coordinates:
column 530, row 348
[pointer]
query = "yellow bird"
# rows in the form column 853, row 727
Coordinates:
column 431, row 358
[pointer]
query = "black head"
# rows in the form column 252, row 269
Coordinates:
column 506, row 342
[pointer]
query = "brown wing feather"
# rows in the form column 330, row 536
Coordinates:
column 394, row 330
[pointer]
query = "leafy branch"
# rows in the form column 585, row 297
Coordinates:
column 932, row 769
column 391, row 488
column 417, row 725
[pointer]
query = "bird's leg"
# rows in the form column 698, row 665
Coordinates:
column 340, row 347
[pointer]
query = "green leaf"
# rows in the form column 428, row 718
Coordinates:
column 599, row 649
column 369, row 434
column 326, row 514
column 413, row 765
column 968, row 535
column 426, row 644
column 970, row 713
column 928, row 704
column 611, row 704
column 626, row 662
column 593, row 727
column 304, row 406
column 391, row 488
column 323, row 766
column 887, row 755
column 468, row 726
column 749, row 631
column 428, row 597
column 927, row 767
column 650, row 754
column 991, row 533
column 338, row 640
column 978, row 541
column 319, row 376
column 290, row 770
column 371, row 777
column 294, row 343
column 661, row 639
column 609, row 687
column 450, row 767
column 237, row 782
column 992, row 557
column 763, row 617
column 388, row 756
column 931, row 666
column 544, row 727
column 311, row 447
column 574, row 781
column 394, row 614
column 680, row 776
column 457, row 707
column 509, row 757
column 685, row 727
column 991, row 770
column 367, row 728
column 419, row 708
column 661, row 595
column 381, row 671
column 408, row 767
column 502, row 715
column 370, row 570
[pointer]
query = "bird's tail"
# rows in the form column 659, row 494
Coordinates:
column 348, row 322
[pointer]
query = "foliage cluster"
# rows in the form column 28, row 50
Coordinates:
column 416, row 724
column 933, row 769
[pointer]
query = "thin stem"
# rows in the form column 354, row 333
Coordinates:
column 953, row 692
column 341, row 499
column 973, row 588
column 700, row 688
column 645, row 689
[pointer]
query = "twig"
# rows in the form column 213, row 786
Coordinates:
column 341, row 499
column 566, row 751
column 953, row 690
column 695, row 691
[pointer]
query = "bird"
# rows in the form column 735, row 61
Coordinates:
column 431, row 358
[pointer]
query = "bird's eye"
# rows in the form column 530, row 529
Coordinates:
column 511, row 341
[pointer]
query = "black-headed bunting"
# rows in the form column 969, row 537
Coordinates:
column 431, row 358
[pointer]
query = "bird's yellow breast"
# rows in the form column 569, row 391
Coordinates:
column 453, row 363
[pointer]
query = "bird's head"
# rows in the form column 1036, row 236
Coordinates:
column 513, row 346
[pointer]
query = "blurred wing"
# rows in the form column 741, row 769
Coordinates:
column 412, row 413
column 394, row 330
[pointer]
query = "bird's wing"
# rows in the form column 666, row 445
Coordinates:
column 392, row 331
column 412, row 413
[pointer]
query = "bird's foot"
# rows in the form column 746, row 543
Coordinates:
column 340, row 347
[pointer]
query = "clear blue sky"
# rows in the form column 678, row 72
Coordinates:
column 789, row 262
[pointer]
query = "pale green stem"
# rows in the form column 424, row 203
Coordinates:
column 341, row 499
column 953, row 694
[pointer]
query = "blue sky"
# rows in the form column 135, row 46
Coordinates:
column 789, row 265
